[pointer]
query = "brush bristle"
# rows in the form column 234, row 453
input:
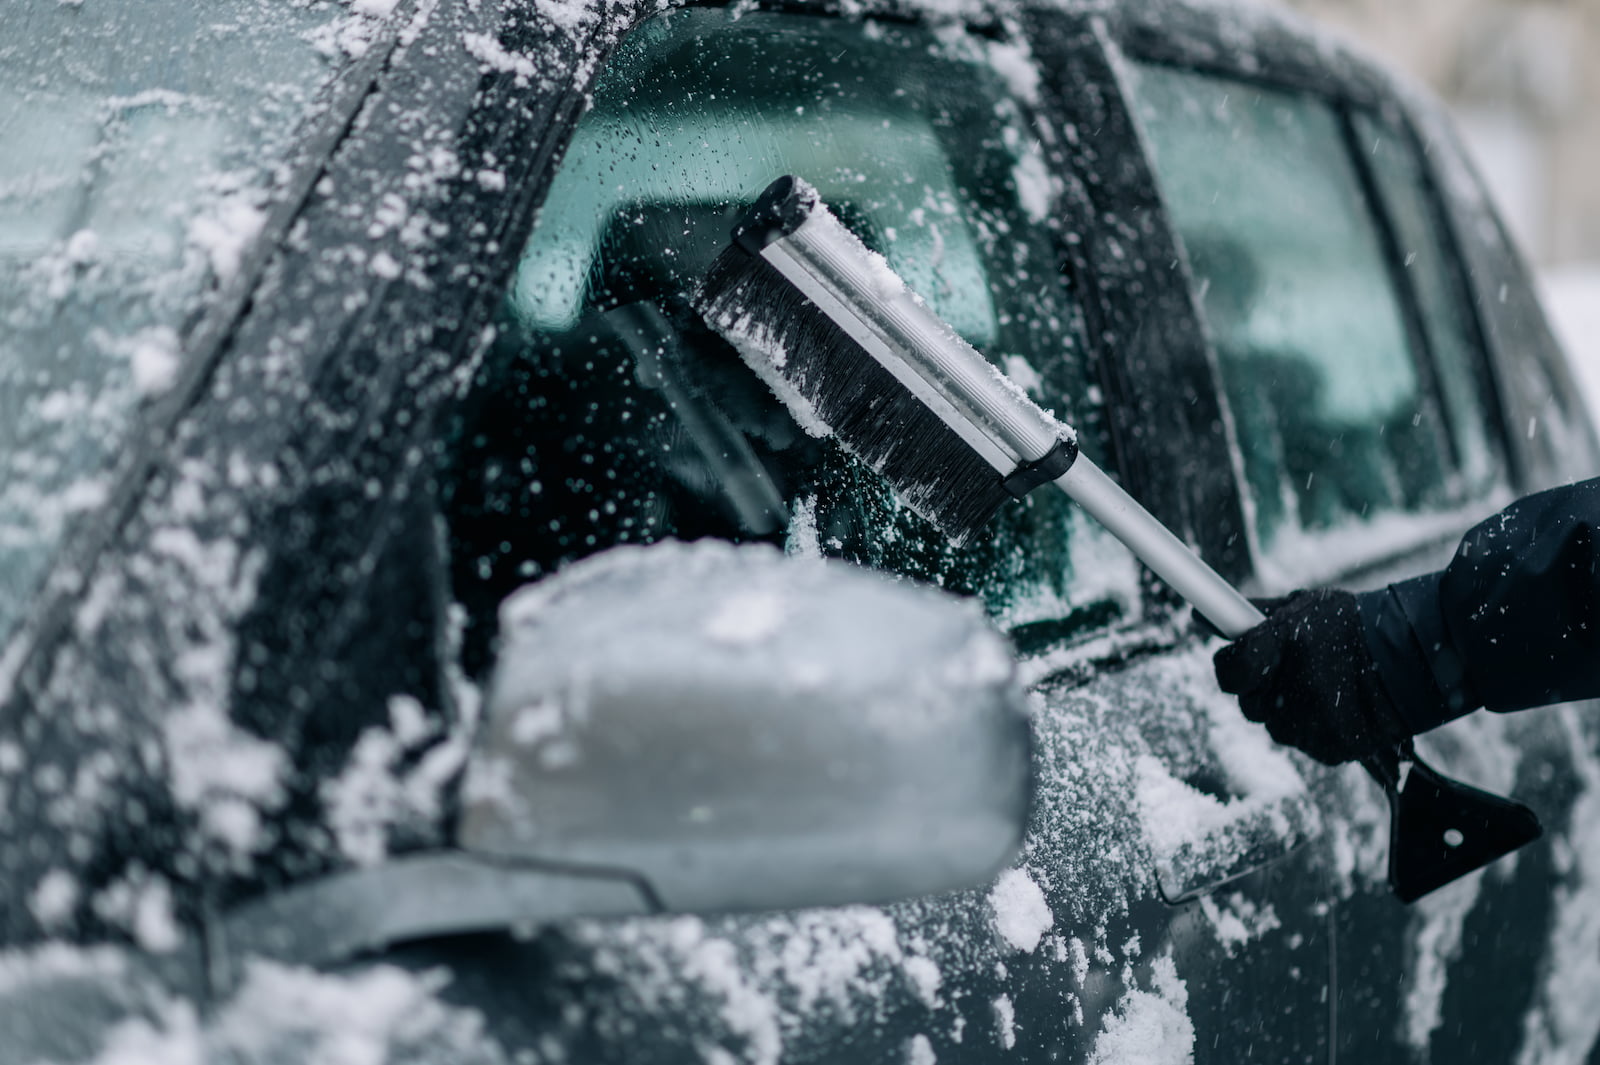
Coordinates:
column 804, row 356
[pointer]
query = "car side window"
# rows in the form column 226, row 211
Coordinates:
column 1321, row 366
column 607, row 413
column 1426, row 257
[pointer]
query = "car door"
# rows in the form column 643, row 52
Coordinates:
column 1370, row 432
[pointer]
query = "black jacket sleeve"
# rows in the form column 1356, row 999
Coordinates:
column 1512, row 622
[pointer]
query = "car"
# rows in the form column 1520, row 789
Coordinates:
column 425, row 640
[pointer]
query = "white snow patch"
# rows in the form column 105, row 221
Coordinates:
column 142, row 904
column 536, row 723
column 1080, row 961
column 573, row 17
column 374, row 792
column 747, row 618
column 762, row 977
column 1237, row 920
column 1005, row 1020
column 803, row 540
column 1037, row 187
column 1563, row 1023
column 1021, row 915
column 919, row 1051
column 1174, row 813
column 925, row 977
column 154, row 358
column 1477, row 749
column 54, row 898
column 225, row 232
column 384, row 265
column 1436, row 941
column 222, row 772
column 1014, row 63
column 1149, row 1027
column 487, row 50
column 280, row 1014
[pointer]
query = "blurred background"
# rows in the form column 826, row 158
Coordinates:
column 1523, row 80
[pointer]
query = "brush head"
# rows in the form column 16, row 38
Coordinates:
column 833, row 387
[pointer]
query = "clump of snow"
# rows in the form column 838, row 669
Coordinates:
column 803, row 540
column 154, row 358
column 141, row 903
column 919, row 1051
column 486, row 49
column 380, row 1015
column 1237, row 920
column 1479, row 749
column 1563, row 1022
column 1037, row 186
column 54, row 898
column 536, row 723
column 1080, row 960
column 1149, row 1027
column 1174, row 813
column 1013, row 61
column 1005, row 1020
column 383, row 786
column 1021, row 914
column 1435, row 942
column 759, row 977
column 925, row 977
column 222, row 772
column 383, row 265
column 225, row 231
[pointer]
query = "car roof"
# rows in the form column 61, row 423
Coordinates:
column 1240, row 37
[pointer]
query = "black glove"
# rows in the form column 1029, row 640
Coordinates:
column 1307, row 675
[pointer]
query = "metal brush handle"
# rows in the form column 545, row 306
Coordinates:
column 1167, row 556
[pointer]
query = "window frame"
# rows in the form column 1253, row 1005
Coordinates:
column 1123, row 421
column 1284, row 64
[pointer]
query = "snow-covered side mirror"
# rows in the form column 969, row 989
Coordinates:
column 743, row 731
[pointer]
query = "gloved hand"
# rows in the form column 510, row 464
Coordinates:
column 1307, row 675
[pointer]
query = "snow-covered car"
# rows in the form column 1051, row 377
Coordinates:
column 379, row 679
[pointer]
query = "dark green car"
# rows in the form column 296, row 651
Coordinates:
column 423, row 640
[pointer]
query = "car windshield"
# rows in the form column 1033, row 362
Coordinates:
column 606, row 413
column 137, row 149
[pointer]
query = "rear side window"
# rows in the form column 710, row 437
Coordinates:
column 1447, row 318
column 607, row 413
column 1323, row 367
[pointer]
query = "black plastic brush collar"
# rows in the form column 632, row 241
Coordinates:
column 777, row 212
column 1042, row 470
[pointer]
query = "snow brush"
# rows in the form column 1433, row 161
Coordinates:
column 850, row 350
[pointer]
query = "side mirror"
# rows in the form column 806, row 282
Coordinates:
column 699, row 728
column 745, row 731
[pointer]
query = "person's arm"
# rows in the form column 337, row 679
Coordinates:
column 1512, row 622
